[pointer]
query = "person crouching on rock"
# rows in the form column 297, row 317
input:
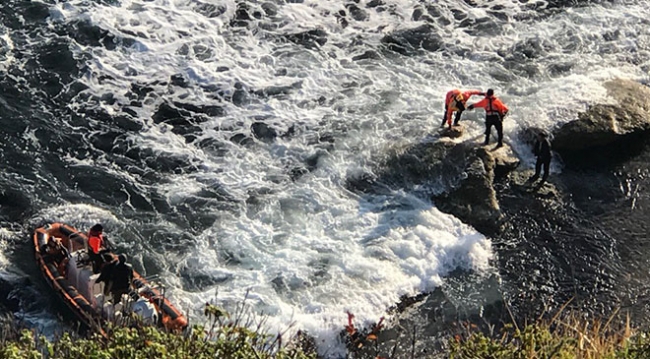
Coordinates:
column 455, row 101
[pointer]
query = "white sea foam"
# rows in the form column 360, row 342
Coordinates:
column 311, row 250
column 5, row 234
column 6, row 49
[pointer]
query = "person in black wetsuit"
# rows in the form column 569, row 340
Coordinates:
column 542, row 150
column 118, row 276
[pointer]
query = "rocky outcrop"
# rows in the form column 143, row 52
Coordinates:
column 466, row 169
column 474, row 199
column 604, row 125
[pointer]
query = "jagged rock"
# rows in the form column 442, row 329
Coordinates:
column 453, row 132
column 263, row 132
column 311, row 39
column 209, row 10
column 368, row 54
column 474, row 199
column 356, row 13
column 466, row 168
column 8, row 303
column 605, row 125
column 407, row 41
column 270, row 8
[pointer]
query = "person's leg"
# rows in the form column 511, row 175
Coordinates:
column 547, row 165
column 538, row 167
column 444, row 117
column 499, row 125
column 457, row 118
column 488, row 129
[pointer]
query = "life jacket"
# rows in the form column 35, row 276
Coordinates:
column 96, row 242
column 493, row 106
column 490, row 110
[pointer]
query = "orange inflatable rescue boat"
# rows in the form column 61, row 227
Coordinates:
column 62, row 255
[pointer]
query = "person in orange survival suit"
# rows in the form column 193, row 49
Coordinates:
column 97, row 245
column 495, row 111
column 455, row 100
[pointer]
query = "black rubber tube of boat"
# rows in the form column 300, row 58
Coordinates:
column 42, row 239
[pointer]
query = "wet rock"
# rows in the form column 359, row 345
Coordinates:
column 179, row 80
column 374, row 3
column 184, row 115
column 241, row 139
column 209, row 10
column 368, row 54
column 270, row 8
column 139, row 91
column 364, row 183
column 104, row 141
column 8, row 302
column 624, row 126
column 356, row 13
column 263, row 132
column 474, row 199
column 14, row 204
column 210, row 110
column 453, row 132
column 240, row 96
column 311, row 39
column 406, row 42
column 465, row 173
column 242, row 15
column 278, row 90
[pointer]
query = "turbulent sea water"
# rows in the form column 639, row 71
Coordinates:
column 215, row 141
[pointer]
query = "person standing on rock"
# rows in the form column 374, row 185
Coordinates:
column 455, row 100
column 495, row 111
column 542, row 150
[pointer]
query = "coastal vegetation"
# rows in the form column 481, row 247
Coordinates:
column 565, row 336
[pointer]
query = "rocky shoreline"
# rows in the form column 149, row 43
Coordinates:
column 557, row 242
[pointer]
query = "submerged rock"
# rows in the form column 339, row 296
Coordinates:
column 407, row 41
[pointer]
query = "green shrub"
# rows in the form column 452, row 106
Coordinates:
column 568, row 338
column 224, row 339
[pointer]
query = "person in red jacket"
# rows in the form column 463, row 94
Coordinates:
column 96, row 238
column 96, row 246
column 456, row 100
column 495, row 111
